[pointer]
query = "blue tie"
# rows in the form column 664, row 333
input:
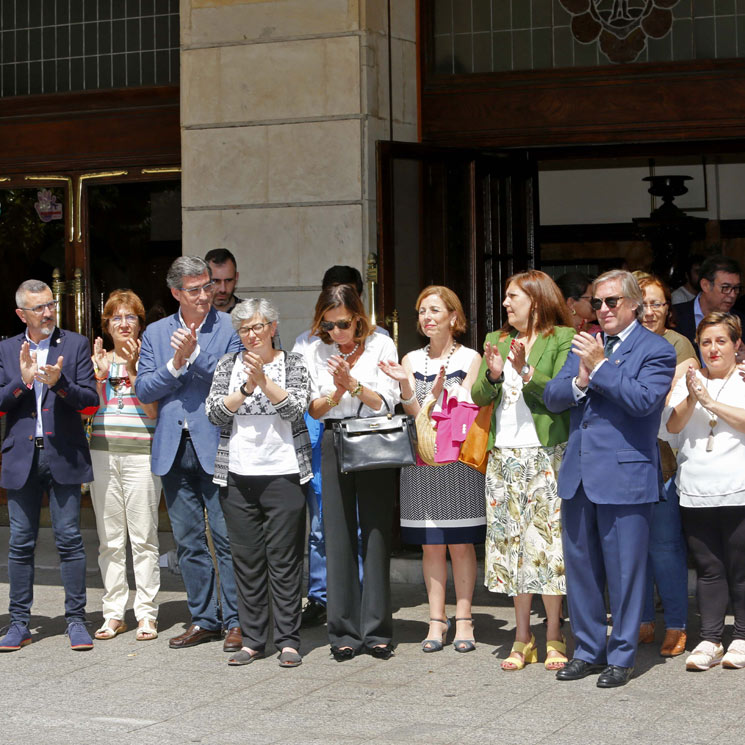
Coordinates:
column 610, row 343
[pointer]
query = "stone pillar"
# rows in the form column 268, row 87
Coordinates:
column 281, row 104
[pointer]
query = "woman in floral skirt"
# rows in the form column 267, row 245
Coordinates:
column 526, row 442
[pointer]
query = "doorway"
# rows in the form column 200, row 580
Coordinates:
column 86, row 234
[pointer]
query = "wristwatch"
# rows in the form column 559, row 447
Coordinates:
column 524, row 370
column 500, row 379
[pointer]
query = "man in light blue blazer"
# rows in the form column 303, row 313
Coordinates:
column 178, row 357
column 615, row 388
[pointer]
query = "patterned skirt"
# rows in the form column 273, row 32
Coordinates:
column 523, row 526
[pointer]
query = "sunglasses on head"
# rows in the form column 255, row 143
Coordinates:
column 342, row 325
column 597, row 302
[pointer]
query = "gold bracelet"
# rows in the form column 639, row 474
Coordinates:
column 331, row 401
column 356, row 391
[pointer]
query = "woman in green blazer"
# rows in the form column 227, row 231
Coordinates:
column 526, row 444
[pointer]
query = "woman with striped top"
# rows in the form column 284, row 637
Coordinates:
column 125, row 492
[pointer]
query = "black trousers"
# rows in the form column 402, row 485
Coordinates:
column 716, row 537
column 357, row 616
column 265, row 516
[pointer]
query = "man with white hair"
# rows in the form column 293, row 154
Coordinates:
column 615, row 389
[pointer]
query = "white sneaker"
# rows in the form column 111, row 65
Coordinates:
column 735, row 657
column 706, row 655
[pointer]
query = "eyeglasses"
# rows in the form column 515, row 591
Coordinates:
column 729, row 289
column 129, row 318
column 597, row 302
column 195, row 291
column 51, row 305
column 257, row 328
column 328, row 326
column 656, row 305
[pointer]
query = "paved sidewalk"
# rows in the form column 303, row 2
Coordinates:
column 143, row 693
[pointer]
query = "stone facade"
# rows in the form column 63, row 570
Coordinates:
column 282, row 102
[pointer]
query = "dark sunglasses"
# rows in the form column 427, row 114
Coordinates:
column 329, row 325
column 597, row 302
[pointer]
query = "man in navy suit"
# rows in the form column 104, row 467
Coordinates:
column 177, row 360
column 46, row 383
column 610, row 476
column 719, row 278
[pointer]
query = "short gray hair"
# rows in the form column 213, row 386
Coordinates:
column 186, row 266
column 30, row 285
column 251, row 307
column 629, row 287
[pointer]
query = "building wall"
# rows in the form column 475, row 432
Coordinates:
column 282, row 102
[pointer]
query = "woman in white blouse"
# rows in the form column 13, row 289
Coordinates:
column 258, row 398
column 345, row 378
column 707, row 413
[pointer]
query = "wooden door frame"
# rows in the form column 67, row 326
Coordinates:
column 609, row 104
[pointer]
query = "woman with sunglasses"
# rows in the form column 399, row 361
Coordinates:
column 258, row 399
column 442, row 507
column 577, row 291
column 524, row 553
column 125, row 492
column 667, row 565
column 345, row 380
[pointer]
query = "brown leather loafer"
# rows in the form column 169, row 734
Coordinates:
column 646, row 633
column 674, row 643
column 233, row 640
column 193, row 636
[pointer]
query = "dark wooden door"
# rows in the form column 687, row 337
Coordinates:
column 462, row 218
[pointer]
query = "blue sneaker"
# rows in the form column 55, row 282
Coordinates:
column 80, row 639
column 17, row 636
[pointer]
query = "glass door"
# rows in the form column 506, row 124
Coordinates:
column 133, row 234
column 35, row 236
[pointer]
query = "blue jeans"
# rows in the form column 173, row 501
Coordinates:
column 667, row 562
column 316, row 541
column 189, row 490
column 24, row 508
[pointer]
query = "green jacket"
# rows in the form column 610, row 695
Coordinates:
column 546, row 357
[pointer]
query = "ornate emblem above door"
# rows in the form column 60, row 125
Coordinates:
column 620, row 28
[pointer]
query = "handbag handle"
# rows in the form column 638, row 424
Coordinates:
column 385, row 403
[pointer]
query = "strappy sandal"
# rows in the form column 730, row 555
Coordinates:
column 559, row 659
column 146, row 630
column 436, row 645
column 464, row 645
column 529, row 655
column 107, row 632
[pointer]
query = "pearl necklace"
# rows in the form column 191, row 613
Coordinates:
column 447, row 360
column 348, row 354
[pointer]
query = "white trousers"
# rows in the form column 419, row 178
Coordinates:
column 125, row 495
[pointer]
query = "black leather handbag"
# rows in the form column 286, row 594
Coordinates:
column 368, row 443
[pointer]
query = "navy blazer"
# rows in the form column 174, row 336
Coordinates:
column 685, row 319
column 65, row 444
column 182, row 398
column 612, row 448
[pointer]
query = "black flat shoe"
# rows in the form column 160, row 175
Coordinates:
column 342, row 654
column 614, row 676
column 577, row 669
column 382, row 653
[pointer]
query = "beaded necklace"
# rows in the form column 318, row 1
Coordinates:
column 447, row 360
column 348, row 354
